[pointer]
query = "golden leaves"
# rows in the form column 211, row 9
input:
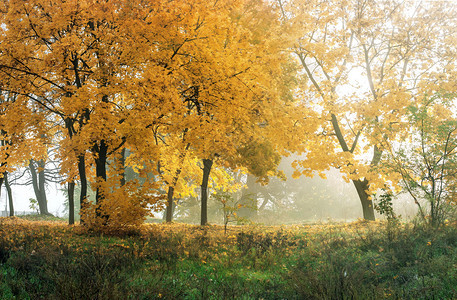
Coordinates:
column 172, row 81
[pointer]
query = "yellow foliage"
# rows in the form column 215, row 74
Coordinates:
column 123, row 208
column 385, row 48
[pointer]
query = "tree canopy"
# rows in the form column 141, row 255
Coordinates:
column 168, row 88
column 158, row 78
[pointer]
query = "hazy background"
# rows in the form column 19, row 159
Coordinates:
column 280, row 202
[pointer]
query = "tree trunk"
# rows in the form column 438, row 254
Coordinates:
column 101, row 154
column 367, row 204
column 71, row 203
column 170, row 204
column 122, row 163
column 171, row 188
column 361, row 186
column 38, row 182
column 9, row 193
column 41, row 186
column 100, row 168
column 83, row 179
column 207, row 164
column 4, row 163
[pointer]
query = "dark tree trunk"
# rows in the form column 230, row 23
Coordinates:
column 9, row 193
column 100, row 168
column 4, row 163
column 207, row 164
column 367, row 204
column 170, row 204
column 83, row 179
column 71, row 203
column 122, row 164
column 171, row 188
column 41, row 186
column 101, row 154
column 82, row 173
column 38, row 182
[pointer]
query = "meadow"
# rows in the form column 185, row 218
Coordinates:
column 359, row 260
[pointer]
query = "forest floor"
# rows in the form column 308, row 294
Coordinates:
column 359, row 260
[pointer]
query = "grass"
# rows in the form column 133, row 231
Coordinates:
column 360, row 260
column 38, row 217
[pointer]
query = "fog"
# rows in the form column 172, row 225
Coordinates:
column 22, row 194
column 293, row 201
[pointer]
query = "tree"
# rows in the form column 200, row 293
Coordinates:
column 37, row 173
column 9, row 193
column 21, row 139
column 244, row 101
column 72, row 59
column 426, row 158
column 71, row 202
column 230, row 207
column 116, row 75
column 393, row 49
column 254, row 104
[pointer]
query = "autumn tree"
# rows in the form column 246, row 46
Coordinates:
column 244, row 111
column 43, row 172
column 117, row 74
column 21, row 138
column 237, row 105
column 362, row 62
column 9, row 193
column 38, row 183
column 95, row 67
column 242, row 105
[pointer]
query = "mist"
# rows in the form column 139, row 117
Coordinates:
column 292, row 201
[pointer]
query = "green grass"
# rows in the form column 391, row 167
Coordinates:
column 44, row 260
